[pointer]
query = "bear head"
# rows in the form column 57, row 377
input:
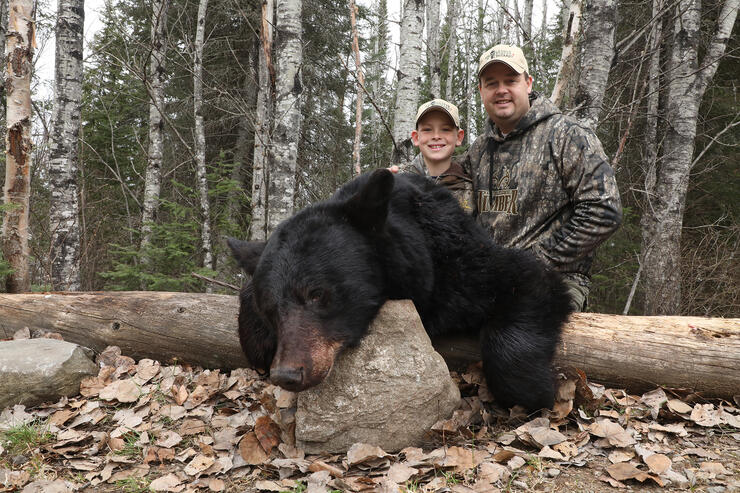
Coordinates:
column 317, row 283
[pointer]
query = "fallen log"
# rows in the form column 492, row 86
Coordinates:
column 636, row 353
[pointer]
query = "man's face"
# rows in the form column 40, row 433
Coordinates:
column 436, row 136
column 505, row 95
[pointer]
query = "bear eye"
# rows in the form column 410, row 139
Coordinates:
column 315, row 296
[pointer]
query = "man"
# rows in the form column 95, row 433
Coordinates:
column 542, row 181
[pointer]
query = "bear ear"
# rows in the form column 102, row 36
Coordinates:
column 368, row 208
column 246, row 253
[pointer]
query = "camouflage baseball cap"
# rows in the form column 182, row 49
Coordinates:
column 508, row 54
column 440, row 105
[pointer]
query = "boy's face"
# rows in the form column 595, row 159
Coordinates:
column 505, row 95
column 436, row 136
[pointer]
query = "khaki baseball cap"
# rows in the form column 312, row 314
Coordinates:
column 439, row 105
column 508, row 54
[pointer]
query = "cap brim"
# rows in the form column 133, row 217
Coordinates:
column 518, row 70
column 436, row 108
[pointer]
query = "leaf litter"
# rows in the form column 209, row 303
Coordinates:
column 184, row 429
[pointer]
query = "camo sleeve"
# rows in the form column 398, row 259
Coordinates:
column 415, row 166
column 589, row 179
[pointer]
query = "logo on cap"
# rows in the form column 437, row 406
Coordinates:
column 512, row 56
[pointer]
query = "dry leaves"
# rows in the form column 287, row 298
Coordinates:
column 183, row 429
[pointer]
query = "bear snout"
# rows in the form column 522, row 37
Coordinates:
column 287, row 378
column 304, row 355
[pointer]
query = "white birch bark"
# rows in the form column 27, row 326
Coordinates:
column 571, row 36
column 287, row 129
column 378, row 65
column 409, row 79
column 688, row 80
column 651, row 110
column 452, row 14
column 527, row 19
column 16, row 191
column 599, row 22
column 3, row 33
column 433, row 47
column 360, row 92
column 200, row 137
column 260, row 168
column 64, row 142
column 153, row 178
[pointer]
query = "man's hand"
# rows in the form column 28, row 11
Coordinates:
column 394, row 168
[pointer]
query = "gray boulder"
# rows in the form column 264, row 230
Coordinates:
column 33, row 371
column 387, row 392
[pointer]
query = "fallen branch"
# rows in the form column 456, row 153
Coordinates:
column 636, row 353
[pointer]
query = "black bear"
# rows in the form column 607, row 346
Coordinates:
column 323, row 274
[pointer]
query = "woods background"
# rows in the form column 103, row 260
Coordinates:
column 192, row 120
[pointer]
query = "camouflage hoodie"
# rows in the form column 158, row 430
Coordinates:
column 546, row 186
column 454, row 179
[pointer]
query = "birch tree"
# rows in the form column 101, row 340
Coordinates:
column 3, row 33
column 200, row 135
column 451, row 45
column 360, row 89
column 599, row 21
column 260, row 168
column 409, row 79
column 155, row 88
column 19, row 62
column 527, row 19
column 287, row 129
column 571, row 35
column 276, row 138
column 64, row 143
column 688, row 78
column 433, row 61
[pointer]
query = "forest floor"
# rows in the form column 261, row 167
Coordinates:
column 147, row 426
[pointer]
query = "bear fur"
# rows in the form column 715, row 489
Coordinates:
column 324, row 273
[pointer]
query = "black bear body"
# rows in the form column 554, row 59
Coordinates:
column 324, row 273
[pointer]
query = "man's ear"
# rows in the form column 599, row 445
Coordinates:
column 246, row 253
column 367, row 210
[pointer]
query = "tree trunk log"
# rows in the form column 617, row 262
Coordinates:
column 636, row 353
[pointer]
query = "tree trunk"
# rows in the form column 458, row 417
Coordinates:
column 636, row 353
column 433, row 47
column 287, row 121
column 377, row 69
column 200, row 137
column 258, row 229
column 19, row 62
column 409, row 79
column 663, row 216
column 452, row 14
column 63, row 156
column 153, row 178
column 360, row 90
column 639, row 353
column 527, row 20
column 3, row 34
column 599, row 21
column 651, row 110
column 566, row 74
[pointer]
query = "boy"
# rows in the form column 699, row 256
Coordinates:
column 437, row 133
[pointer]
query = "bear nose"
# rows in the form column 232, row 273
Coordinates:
column 287, row 378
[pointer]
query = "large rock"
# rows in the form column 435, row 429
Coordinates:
column 387, row 392
column 33, row 371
